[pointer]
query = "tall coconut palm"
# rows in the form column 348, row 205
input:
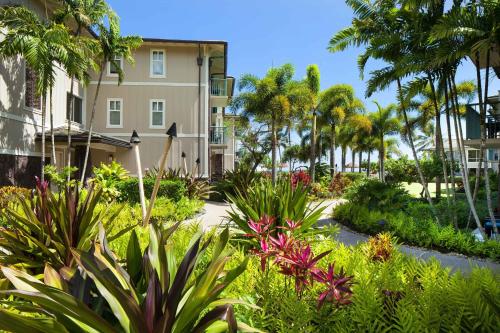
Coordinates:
column 384, row 123
column 312, row 82
column 112, row 45
column 267, row 100
column 43, row 45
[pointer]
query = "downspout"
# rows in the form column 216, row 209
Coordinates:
column 199, row 61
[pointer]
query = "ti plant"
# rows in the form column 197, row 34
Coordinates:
column 151, row 293
column 44, row 229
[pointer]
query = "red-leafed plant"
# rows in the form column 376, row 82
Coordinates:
column 380, row 247
column 300, row 177
column 294, row 258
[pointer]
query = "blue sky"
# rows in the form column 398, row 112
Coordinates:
column 262, row 34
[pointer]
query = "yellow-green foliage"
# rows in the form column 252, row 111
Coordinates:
column 164, row 211
column 9, row 194
column 401, row 294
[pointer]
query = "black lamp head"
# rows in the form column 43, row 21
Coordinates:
column 183, row 155
column 172, row 131
column 135, row 138
column 198, row 161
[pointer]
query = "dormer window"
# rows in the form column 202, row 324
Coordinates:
column 157, row 66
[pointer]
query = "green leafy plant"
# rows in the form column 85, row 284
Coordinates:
column 106, row 177
column 153, row 293
column 9, row 195
column 380, row 247
column 238, row 181
column 129, row 189
column 45, row 228
column 60, row 178
column 339, row 184
column 281, row 201
column 375, row 194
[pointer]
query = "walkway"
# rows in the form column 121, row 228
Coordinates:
column 215, row 214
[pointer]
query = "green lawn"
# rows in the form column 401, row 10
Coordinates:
column 416, row 188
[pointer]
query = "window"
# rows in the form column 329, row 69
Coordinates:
column 112, row 67
column 115, row 113
column 31, row 98
column 77, row 108
column 473, row 155
column 157, row 63
column 157, row 113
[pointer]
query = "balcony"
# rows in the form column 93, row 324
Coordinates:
column 220, row 90
column 218, row 135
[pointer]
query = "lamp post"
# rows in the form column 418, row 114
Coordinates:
column 184, row 163
column 135, row 140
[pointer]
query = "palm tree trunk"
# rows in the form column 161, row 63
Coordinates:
column 462, row 164
column 360, row 160
column 452, row 158
column 439, row 144
column 381, row 159
column 320, row 147
column 343, row 157
column 412, row 146
column 332, row 150
column 353, row 159
column 44, row 110
column 312, row 157
column 483, row 135
column 91, row 124
column 368, row 166
column 273, row 149
column 292, row 164
column 54, row 161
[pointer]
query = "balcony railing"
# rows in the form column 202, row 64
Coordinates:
column 218, row 87
column 218, row 135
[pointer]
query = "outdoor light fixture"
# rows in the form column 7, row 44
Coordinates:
column 171, row 134
column 183, row 156
column 135, row 140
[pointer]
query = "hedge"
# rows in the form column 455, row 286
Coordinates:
column 129, row 189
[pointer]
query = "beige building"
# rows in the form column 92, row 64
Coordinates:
column 179, row 81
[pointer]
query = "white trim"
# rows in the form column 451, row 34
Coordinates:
column 18, row 152
column 108, row 125
column 14, row 117
column 151, row 101
column 155, row 135
column 207, row 111
column 151, row 74
column 150, row 83
column 108, row 65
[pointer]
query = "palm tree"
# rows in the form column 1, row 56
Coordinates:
column 112, row 45
column 43, row 44
column 86, row 14
column 312, row 82
column 384, row 123
column 267, row 100
column 338, row 102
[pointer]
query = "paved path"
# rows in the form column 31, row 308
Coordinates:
column 216, row 214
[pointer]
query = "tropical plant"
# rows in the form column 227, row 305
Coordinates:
column 380, row 247
column 43, row 44
column 153, row 293
column 112, row 46
column 282, row 201
column 45, row 228
column 267, row 100
column 384, row 122
column 107, row 176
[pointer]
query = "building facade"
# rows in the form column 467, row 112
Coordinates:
column 181, row 81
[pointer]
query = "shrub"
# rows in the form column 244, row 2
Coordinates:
column 107, row 176
column 400, row 294
column 318, row 190
column 354, row 176
column 340, row 182
column 10, row 194
column 380, row 247
column 375, row 194
column 237, row 181
column 129, row 189
column 281, row 201
column 300, row 177
column 150, row 293
column 400, row 170
column 421, row 231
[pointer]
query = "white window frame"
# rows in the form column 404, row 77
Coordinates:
column 151, row 74
column 108, row 110
column 109, row 67
column 151, row 101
